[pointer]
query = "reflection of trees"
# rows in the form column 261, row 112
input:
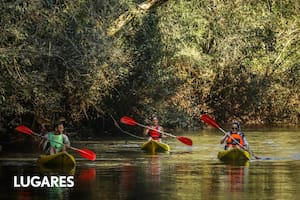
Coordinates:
column 274, row 180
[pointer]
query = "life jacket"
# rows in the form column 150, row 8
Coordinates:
column 56, row 141
column 234, row 140
column 154, row 133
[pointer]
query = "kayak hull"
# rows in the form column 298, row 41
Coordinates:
column 60, row 161
column 153, row 146
column 234, row 155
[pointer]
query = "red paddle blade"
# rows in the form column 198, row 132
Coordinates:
column 128, row 121
column 207, row 119
column 86, row 153
column 24, row 129
column 185, row 140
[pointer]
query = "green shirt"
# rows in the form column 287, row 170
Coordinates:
column 58, row 141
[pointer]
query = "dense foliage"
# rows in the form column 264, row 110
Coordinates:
column 175, row 59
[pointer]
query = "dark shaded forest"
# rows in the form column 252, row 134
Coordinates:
column 88, row 60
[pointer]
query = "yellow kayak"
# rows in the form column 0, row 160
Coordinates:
column 234, row 155
column 62, row 161
column 155, row 146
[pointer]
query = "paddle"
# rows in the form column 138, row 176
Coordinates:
column 207, row 119
column 132, row 122
column 86, row 153
column 126, row 132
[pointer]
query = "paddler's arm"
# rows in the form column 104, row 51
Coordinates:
column 223, row 139
column 44, row 139
column 43, row 142
column 163, row 135
column 66, row 141
column 146, row 131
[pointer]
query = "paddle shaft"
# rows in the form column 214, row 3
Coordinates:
column 168, row 134
column 231, row 137
column 126, row 132
column 70, row 147
column 246, row 149
column 83, row 152
column 41, row 136
column 212, row 122
column 132, row 122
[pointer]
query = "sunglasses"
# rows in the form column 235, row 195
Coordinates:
column 234, row 128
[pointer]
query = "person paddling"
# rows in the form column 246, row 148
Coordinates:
column 153, row 131
column 235, row 138
column 57, row 140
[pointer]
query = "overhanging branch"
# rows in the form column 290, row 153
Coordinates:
column 126, row 17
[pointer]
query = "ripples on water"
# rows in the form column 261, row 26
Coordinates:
column 123, row 171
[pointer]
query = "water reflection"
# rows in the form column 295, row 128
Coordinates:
column 23, row 194
column 127, row 180
column 236, row 177
column 142, row 177
column 153, row 170
column 55, row 193
column 85, row 179
column 58, row 193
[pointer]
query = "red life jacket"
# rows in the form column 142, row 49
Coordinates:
column 234, row 140
column 154, row 133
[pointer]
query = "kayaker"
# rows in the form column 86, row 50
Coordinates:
column 153, row 131
column 235, row 138
column 57, row 140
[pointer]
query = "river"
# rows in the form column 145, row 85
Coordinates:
column 123, row 171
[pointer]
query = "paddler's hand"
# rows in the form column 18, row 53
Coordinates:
column 146, row 131
column 223, row 139
column 245, row 147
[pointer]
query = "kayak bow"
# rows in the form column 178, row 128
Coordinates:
column 153, row 146
column 234, row 155
column 62, row 161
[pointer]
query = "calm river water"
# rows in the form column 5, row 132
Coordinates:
column 123, row 171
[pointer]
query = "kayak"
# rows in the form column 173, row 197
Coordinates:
column 234, row 155
column 61, row 171
column 60, row 161
column 155, row 146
